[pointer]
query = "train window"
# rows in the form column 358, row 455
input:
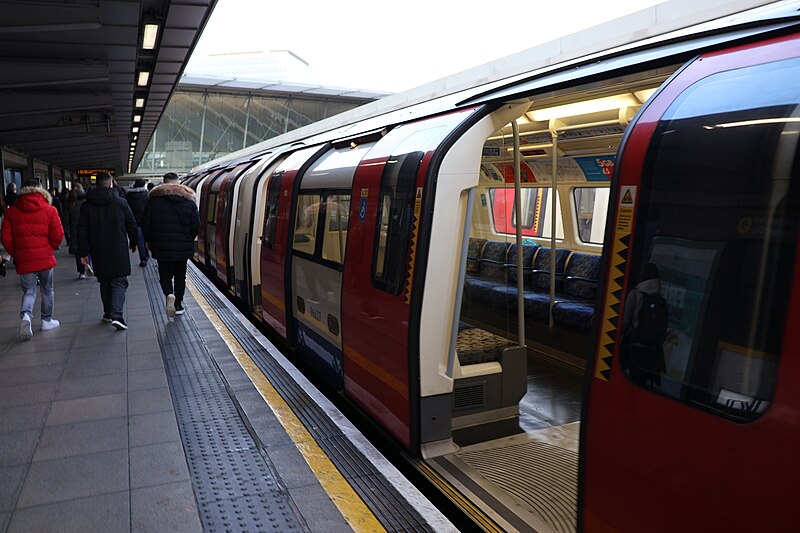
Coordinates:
column 271, row 218
column 536, row 205
column 716, row 237
column 337, row 211
column 591, row 206
column 395, row 214
column 305, row 229
column 211, row 214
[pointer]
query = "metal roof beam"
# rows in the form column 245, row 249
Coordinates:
column 33, row 16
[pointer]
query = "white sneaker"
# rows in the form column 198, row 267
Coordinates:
column 82, row 276
column 47, row 325
column 171, row 305
column 89, row 270
column 25, row 330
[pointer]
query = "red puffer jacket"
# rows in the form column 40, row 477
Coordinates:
column 32, row 230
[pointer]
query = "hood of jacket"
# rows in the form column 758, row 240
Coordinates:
column 32, row 198
column 102, row 195
column 650, row 286
column 173, row 191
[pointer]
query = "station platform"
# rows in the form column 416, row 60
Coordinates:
column 191, row 423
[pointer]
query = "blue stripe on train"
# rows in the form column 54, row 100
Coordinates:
column 320, row 353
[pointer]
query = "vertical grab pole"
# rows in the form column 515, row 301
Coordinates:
column 553, row 208
column 518, row 235
column 462, row 272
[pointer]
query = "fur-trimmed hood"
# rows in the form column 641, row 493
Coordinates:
column 27, row 203
column 172, row 189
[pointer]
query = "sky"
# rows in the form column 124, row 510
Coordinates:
column 376, row 45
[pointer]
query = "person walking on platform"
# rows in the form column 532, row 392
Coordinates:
column 137, row 199
column 106, row 230
column 31, row 232
column 77, row 197
column 170, row 224
column 11, row 194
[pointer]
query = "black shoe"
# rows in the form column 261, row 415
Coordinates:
column 143, row 263
column 119, row 324
column 179, row 308
column 106, row 319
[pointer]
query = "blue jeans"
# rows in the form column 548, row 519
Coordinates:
column 29, row 281
column 112, row 293
column 144, row 255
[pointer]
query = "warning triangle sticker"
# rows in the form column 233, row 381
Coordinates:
column 628, row 197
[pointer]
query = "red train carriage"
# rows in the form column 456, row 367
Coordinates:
column 629, row 217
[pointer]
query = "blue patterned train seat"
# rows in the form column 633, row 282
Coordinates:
column 541, row 268
column 575, row 308
column 490, row 273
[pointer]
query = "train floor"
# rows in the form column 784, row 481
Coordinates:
column 528, row 480
column 187, row 423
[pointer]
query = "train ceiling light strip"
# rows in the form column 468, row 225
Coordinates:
column 586, row 107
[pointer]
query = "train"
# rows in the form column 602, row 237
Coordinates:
column 424, row 259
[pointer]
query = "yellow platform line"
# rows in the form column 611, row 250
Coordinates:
column 352, row 507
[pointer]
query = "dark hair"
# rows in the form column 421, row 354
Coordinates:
column 32, row 182
column 104, row 177
column 10, row 186
column 150, row 186
column 140, row 182
column 170, row 176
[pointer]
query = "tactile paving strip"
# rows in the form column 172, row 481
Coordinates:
column 390, row 508
column 233, row 482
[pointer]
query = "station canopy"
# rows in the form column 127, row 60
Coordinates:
column 84, row 82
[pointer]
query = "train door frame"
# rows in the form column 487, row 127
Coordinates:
column 203, row 234
column 255, row 239
column 225, row 214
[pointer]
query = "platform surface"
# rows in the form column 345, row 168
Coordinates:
column 171, row 426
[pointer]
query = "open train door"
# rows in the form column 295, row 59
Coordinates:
column 694, row 422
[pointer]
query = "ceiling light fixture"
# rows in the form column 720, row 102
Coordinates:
column 137, row 118
column 139, row 102
column 584, row 108
column 149, row 37
column 144, row 77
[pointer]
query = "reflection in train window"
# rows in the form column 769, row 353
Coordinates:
column 395, row 214
column 211, row 212
column 271, row 218
column 305, row 229
column 337, row 211
column 591, row 206
column 719, row 214
column 536, row 205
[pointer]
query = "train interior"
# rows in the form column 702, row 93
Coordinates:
column 518, row 458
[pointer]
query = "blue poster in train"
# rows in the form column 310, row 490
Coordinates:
column 597, row 168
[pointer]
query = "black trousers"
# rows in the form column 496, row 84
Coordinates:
column 167, row 270
column 112, row 293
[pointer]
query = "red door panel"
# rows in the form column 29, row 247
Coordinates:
column 377, row 285
column 224, row 213
column 203, row 236
column 686, row 460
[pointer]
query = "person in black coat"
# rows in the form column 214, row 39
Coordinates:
column 170, row 224
column 137, row 198
column 106, row 229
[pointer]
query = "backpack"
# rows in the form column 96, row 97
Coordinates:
column 653, row 321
